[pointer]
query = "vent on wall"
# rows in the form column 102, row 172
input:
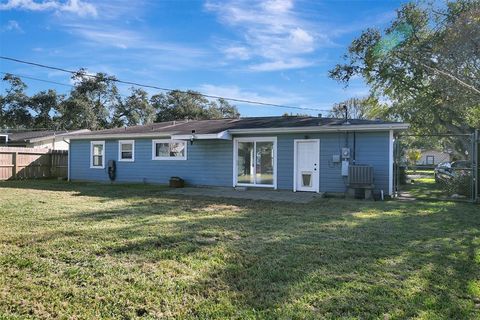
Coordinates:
column 359, row 175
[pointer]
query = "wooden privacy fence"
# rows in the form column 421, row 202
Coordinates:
column 31, row 163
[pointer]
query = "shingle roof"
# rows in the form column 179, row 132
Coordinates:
column 216, row 126
column 26, row 136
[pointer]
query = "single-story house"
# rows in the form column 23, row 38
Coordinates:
column 433, row 157
column 48, row 139
column 290, row 153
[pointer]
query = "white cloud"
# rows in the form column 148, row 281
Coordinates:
column 272, row 33
column 277, row 65
column 237, row 52
column 269, row 95
column 302, row 38
column 77, row 7
column 12, row 25
column 106, row 35
column 278, row 5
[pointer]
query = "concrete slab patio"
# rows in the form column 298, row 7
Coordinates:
column 250, row 194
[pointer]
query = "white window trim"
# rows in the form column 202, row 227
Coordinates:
column 235, row 156
column 92, row 143
column 122, row 142
column 154, row 157
column 390, row 162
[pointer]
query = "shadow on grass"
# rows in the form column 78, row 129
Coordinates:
column 330, row 258
column 338, row 258
column 92, row 189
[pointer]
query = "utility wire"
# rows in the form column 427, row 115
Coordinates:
column 48, row 81
column 161, row 88
column 37, row 79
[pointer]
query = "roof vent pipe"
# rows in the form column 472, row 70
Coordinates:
column 345, row 108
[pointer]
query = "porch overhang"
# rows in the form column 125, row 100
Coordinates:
column 223, row 135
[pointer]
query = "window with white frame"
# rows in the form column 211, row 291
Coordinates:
column 255, row 161
column 169, row 150
column 97, row 154
column 126, row 150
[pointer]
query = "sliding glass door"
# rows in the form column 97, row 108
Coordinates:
column 255, row 162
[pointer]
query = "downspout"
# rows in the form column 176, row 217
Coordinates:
column 354, row 159
column 68, row 159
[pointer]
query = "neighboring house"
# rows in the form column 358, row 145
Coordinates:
column 49, row 139
column 290, row 153
column 433, row 157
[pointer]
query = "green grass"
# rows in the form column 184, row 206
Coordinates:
column 425, row 188
column 427, row 172
column 89, row 251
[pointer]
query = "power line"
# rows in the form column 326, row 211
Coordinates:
column 162, row 88
column 48, row 81
column 37, row 79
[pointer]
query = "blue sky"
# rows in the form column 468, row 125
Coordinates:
column 276, row 51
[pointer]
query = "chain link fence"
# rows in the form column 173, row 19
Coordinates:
column 437, row 167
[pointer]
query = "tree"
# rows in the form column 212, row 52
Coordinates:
column 361, row 108
column 91, row 102
column 221, row 108
column 45, row 104
column 95, row 103
column 425, row 65
column 14, row 107
column 135, row 109
column 179, row 105
column 414, row 156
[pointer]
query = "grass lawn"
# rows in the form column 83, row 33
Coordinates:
column 427, row 172
column 89, row 251
column 425, row 188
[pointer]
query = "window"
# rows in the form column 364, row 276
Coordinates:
column 169, row 150
column 430, row 160
column 255, row 162
column 3, row 138
column 97, row 154
column 126, row 150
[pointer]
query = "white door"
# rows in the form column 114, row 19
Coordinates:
column 306, row 175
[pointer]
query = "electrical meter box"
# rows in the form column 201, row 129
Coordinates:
column 345, row 153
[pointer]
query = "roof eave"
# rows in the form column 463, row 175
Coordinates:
column 120, row 135
column 340, row 128
column 53, row 136
column 226, row 134
column 223, row 135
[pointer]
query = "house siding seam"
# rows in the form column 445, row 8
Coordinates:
column 209, row 162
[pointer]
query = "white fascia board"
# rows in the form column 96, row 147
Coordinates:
column 120, row 136
column 224, row 135
column 39, row 139
column 53, row 136
column 376, row 127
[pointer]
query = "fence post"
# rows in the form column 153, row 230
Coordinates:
column 52, row 164
column 476, row 166
column 14, row 162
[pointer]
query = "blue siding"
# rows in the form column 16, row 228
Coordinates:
column 371, row 148
column 210, row 162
